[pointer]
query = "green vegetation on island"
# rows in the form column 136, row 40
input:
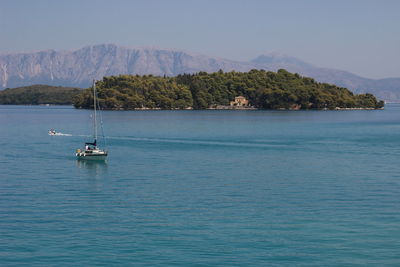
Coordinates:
column 263, row 89
column 38, row 94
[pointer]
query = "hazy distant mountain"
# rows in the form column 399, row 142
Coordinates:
column 387, row 89
column 79, row 67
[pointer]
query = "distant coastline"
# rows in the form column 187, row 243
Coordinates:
column 39, row 95
column 254, row 90
column 78, row 67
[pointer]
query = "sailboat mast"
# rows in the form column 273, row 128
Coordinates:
column 95, row 107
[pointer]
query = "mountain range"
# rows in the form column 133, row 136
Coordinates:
column 77, row 68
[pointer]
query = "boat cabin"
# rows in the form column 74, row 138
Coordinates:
column 90, row 146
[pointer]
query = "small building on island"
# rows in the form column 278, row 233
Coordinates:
column 240, row 101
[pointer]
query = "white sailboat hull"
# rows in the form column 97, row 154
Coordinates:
column 92, row 155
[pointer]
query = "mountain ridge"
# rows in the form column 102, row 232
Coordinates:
column 78, row 67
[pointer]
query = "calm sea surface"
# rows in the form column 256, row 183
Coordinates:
column 203, row 188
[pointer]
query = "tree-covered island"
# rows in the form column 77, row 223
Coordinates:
column 263, row 90
column 38, row 94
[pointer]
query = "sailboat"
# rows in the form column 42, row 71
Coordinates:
column 92, row 151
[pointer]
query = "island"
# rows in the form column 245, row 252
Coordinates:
column 258, row 89
column 38, row 94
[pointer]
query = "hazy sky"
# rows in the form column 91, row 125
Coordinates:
column 360, row 36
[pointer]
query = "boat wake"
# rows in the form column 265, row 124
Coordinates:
column 67, row 134
column 61, row 134
column 219, row 143
column 198, row 142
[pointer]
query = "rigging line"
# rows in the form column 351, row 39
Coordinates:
column 101, row 120
column 94, row 109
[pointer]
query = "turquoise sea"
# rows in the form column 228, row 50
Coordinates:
column 201, row 188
